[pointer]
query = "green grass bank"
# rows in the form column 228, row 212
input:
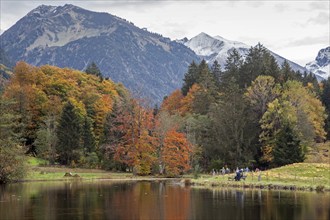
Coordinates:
column 299, row 176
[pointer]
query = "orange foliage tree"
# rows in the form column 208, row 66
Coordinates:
column 176, row 153
column 176, row 103
column 137, row 145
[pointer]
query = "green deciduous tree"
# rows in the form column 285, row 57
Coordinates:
column 46, row 139
column 12, row 162
column 262, row 91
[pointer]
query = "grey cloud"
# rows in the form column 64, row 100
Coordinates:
column 308, row 41
column 280, row 7
column 321, row 18
column 254, row 4
column 142, row 5
column 319, row 5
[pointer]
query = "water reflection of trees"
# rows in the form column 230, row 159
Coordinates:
column 258, row 204
column 154, row 200
column 150, row 200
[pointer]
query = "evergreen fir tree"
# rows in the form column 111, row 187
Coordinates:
column 217, row 73
column 325, row 97
column 207, row 93
column 286, row 72
column 189, row 78
column 89, row 142
column 233, row 65
column 68, row 134
column 93, row 69
column 272, row 68
column 256, row 64
column 287, row 148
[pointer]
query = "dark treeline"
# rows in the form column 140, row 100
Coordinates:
column 254, row 113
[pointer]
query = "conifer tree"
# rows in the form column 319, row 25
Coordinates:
column 68, row 134
column 217, row 73
column 233, row 65
column 272, row 68
column 189, row 78
column 88, row 136
column 93, row 69
column 325, row 97
column 287, row 148
column 286, row 72
column 255, row 65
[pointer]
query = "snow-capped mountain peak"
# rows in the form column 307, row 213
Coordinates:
column 214, row 48
column 218, row 48
column 321, row 65
column 204, row 45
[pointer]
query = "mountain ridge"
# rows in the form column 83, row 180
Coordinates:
column 147, row 63
column 70, row 36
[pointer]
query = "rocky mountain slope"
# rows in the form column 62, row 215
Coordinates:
column 69, row 36
column 321, row 65
column 5, row 69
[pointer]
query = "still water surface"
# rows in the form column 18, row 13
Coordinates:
column 155, row 200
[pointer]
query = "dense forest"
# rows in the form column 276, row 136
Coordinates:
column 255, row 114
column 78, row 119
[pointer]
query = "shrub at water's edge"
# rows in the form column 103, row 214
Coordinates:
column 12, row 165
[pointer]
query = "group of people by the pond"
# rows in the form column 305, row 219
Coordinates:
column 240, row 173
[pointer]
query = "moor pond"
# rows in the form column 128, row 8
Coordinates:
column 108, row 199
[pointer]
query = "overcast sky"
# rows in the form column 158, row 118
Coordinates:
column 297, row 30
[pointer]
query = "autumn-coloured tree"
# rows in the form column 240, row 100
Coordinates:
column 262, row 91
column 39, row 94
column 308, row 109
column 176, row 153
column 137, row 145
column 173, row 103
column 188, row 101
column 25, row 90
column 296, row 109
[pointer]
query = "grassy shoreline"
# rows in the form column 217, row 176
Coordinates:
column 300, row 176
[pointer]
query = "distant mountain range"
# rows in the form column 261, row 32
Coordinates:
column 69, row 36
column 147, row 63
column 321, row 65
column 218, row 48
